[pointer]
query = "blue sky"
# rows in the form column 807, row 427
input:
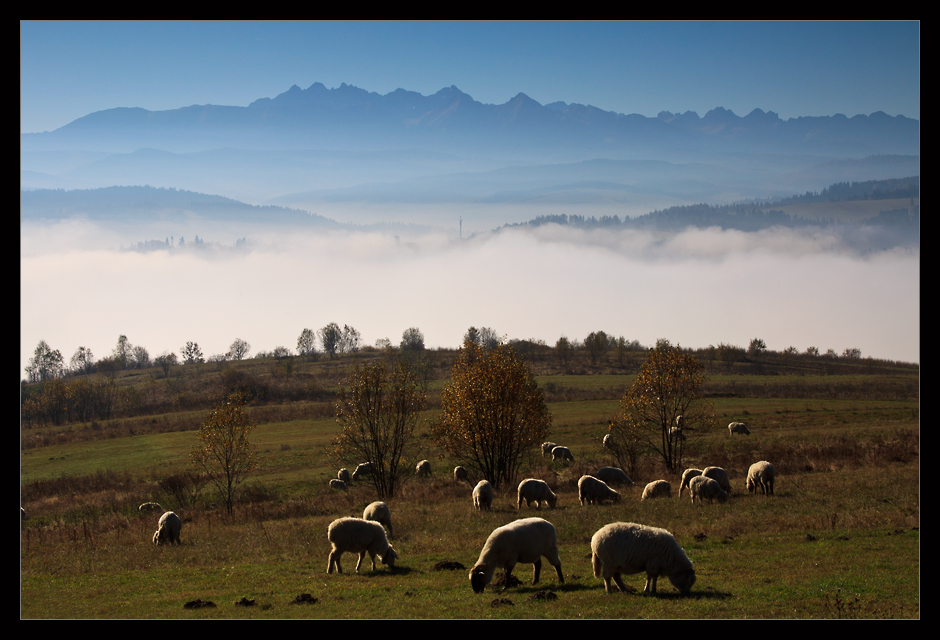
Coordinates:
column 70, row 69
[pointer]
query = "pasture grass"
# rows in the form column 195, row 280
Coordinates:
column 839, row 539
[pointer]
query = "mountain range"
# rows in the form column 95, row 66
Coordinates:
column 314, row 145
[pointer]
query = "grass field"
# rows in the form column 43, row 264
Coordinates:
column 839, row 539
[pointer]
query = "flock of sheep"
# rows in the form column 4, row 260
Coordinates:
column 619, row 548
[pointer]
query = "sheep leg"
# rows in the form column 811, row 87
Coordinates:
column 557, row 566
column 334, row 562
column 509, row 568
column 620, row 585
column 362, row 556
column 650, row 587
column 538, row 569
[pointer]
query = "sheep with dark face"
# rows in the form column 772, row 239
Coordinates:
column 537, row 491
column 563, row 454
column 343, row 474
column 526, row 540
column 761, row 476
column 338, row 485
column 358, row 536
column 379, row 512
column 592, row 490
column 460, row 474
column 483, row 495
column 704, row 488
column 738, row 427
column 628, row 548
column 657, row 489
column 547, row 448
column 170, row 527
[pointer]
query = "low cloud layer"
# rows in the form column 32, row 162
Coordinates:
column 699, row 287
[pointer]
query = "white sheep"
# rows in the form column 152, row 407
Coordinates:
column 720, row 476
column 705, row 488
column 738, row 427
column 379, row 512
column 657, row 489
column 761, row 476
column 343, row 474
column 676, row 433
column 628, row 548
column 687, row 476
column 547, row 448
column 364, row 469
column 423, row 469
column 613, row 475
column 525, row 540
column 170, row 527
column 537, row 491
column 483, row 495
column 608, row 444
column 680, row 422
column 592, row 490
column 358, row 536
column 460, row 473
column 562, row 453
column 339, row 485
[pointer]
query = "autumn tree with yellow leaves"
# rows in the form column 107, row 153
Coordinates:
column 492, row 412
column 669, row 385
column 224, row 452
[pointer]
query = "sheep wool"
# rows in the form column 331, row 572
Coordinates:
column 719, row 475
column 625, row 548
column 364, row 469
column 460, row 473
column 343, row 474
column 379, row 512
column 705, row 488
column 687, row 476
column 526, row 540
column 738, row 427
column 657, row 489
column 613, row 475
column 338, row 485
column 761, row 476
column 592, row 490
column 562, row 453
column 483, row 495
column 170, row 527
column 537, row 491
column 358, row 536
column 547, row 448
column 423, row 469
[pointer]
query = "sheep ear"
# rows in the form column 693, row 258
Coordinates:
column 479, row 568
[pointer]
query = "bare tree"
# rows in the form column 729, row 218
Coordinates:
column 331, row 336
column 191, row 353
column 307, row 343
column 239, row 349
column 412, row 340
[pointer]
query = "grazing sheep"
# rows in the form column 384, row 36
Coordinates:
column 676, row 433
column 378, row 512
column 339, row 485
column 483, row 495
column 537, row 491
column 562, row 453
column 687, row 476
column 547, row 448
column 358, row 536
column 613, row 475
column 719, row 475
column 423, row 469
column 592, row 490
column 657, row 489
column 738, row 427
column 628, row 548
column 343, row 474
column 525, row 540
column 761, row 476
column 170, row 527
column 364, row 469
column 705, row 488
column 680, row 422
column 150, row 506
column 607, row 441
column 461, row 474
